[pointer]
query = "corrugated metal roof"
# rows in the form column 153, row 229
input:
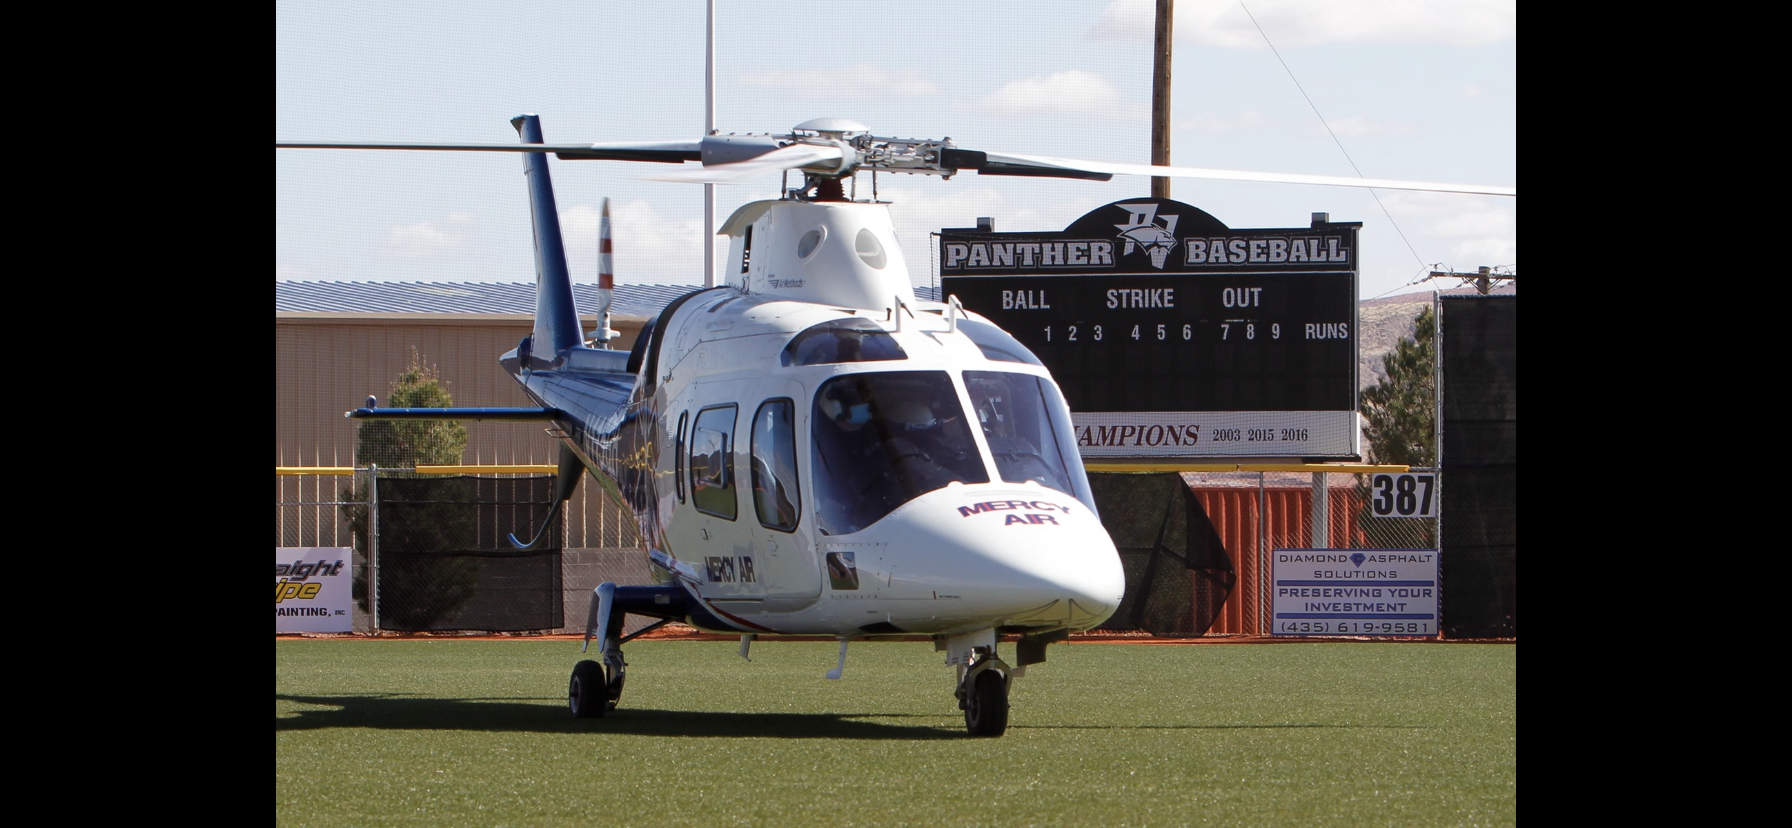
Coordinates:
column 459, row 297
column 472, row 297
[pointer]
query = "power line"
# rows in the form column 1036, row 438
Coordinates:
column 1328, row 130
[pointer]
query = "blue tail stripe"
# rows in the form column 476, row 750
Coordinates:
column 556, row 317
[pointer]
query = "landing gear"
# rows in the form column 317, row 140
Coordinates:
column 596, row 686
column 591, row 693
column 587, row 694
column 986, row 705
column 983, row 694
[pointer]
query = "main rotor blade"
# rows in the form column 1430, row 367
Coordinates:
column 665, row 152
column 1046, row 163
column 786, row 158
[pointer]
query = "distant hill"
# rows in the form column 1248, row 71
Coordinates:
column 1383, row 322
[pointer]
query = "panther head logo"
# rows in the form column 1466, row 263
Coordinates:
column 1146, row 229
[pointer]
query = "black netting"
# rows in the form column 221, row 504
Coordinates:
column 445, row 561
column 1479, row 430
column 1178, row 574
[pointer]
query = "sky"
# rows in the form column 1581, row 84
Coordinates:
column 1422, row 90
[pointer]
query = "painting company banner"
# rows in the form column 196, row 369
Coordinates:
column 313, row 589
column 1355, row 592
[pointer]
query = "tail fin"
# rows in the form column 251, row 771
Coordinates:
column 556, row 318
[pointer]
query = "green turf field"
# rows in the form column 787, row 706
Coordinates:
column 450, row 733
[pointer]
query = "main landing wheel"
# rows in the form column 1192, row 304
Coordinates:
column 587, row 695
column 986, row 705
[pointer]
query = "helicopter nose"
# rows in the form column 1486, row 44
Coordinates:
column 1075, row 580
column 1035, row 557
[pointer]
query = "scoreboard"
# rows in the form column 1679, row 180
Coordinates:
column 1174, row 336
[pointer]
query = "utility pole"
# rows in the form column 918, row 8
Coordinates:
column 1160, row 96
column 1484, row 279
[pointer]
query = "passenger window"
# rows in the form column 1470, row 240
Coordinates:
column 712, row 481
column 678, row 455
column 775, row 495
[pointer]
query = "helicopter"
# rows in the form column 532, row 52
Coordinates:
column 808, row 448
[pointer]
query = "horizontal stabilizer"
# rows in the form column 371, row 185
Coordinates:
column 513, row 414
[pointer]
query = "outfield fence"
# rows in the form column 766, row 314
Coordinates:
column 1256, row 513
column 435, row 542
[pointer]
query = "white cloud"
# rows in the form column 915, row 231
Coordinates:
column 427, row 239
column 1290, row 23
column 1461, row 232
column 861, row 80
column 647, row 245
column 1488, row 252
column 1072, row 92
column 1124, row 21
column 1476, row 223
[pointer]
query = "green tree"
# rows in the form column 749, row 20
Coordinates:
column 1400, row 415
column 407, row 443
column 1401, row 410
column 417, row 588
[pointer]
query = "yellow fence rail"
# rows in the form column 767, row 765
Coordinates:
column 349, row 471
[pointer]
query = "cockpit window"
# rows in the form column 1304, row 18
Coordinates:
column 884, row 439
column 996, row 344
column 1026, row 440
column 842, row 340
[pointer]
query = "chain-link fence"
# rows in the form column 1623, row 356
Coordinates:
column 1196, row 546
column 438, row 548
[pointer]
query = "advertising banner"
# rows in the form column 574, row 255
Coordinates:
column 1355, row 592
column 313, row 589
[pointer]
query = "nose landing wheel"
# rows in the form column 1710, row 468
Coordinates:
column 983, row 695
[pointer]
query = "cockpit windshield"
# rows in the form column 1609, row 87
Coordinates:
column 883, row 439
column 1027, row 441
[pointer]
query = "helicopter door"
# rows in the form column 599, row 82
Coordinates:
column 783, row 554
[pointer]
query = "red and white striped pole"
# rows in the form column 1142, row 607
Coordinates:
column 606, row 278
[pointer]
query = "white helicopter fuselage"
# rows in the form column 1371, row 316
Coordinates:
column 946, row 497
column 980, row 553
